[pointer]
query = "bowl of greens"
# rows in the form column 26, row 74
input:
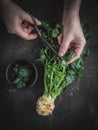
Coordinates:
column 21, row 74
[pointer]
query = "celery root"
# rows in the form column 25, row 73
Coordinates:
column 44, row 106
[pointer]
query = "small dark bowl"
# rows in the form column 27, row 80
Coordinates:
column 30, row 65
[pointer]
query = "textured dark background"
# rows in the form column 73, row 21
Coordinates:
column 77, row 107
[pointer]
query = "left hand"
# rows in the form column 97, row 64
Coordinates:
column 72, row 38
column 17, row 21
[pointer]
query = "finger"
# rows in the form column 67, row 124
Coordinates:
column 38, row 22
column 32, row 20
column 28, row 19
column 78, row 52
column 35, row 20
column 64, row 47
column 59, row 39
column 20, row 32
column 73, row 59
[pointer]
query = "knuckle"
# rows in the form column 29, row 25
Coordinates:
column 64, row 46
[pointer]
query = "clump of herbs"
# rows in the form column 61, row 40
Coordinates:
column 57, row 73
column 55, row 69
column 21, row 76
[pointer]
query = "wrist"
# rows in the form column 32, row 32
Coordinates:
column 4, row 4
column 4, row 7
column 72, row 5
column 71, row 10
column 70, row 16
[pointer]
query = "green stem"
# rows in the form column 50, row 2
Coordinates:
column 51, row 85
column 60, row 81
column 45, row 85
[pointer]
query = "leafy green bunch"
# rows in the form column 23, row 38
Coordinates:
column 21, row 76
column 57, row 73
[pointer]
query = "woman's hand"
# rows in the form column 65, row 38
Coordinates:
column 72, row 37
column 17, row 21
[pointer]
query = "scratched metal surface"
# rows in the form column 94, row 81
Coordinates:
column 76, row 108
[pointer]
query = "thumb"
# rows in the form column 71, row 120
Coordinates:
column 64, row 47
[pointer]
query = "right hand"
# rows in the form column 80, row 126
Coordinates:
column 17, row 21
column 73, row 37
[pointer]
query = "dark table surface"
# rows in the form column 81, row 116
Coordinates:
column 76, row 108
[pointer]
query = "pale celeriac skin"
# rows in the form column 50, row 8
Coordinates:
column 44, row 106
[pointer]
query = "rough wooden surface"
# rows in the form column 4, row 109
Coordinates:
column 76, row 108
